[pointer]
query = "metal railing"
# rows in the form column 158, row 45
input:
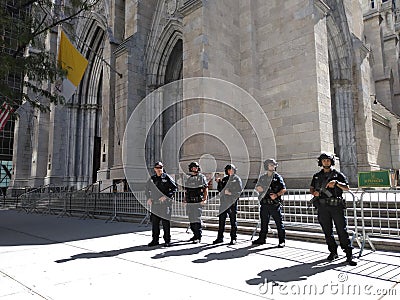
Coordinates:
column 369, row 213
column 379, row 215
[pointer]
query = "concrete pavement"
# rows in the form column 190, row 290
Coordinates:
column 46, row 257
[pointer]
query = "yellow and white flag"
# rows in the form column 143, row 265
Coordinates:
column 71, row 60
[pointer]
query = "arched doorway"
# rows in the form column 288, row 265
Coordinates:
column 173, row 114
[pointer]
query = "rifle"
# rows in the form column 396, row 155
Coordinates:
column 315, row 198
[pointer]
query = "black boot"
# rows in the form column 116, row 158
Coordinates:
column 153, row 243
column 350, row 258
column 332, row 256
column 218, row 241
column 259, row 241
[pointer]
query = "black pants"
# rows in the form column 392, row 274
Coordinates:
column 231, row 212
column 327, row 214
column 275, row 211
column 194, row 212
column 162, row 213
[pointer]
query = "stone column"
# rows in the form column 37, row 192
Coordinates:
column 364, row 97
column 22, row 148
column 374, row 37
column 391, row 56
column 108, row 117
column 345, row 127
column 53, row 157
column 395, row 142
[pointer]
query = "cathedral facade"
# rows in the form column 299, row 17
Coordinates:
column 324, row 72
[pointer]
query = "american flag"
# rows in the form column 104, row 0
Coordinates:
column 5, row 112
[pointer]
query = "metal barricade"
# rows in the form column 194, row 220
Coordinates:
column 376, row 215
column 379, row 215
column 296, row 212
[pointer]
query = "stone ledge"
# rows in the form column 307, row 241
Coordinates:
column 190, row 6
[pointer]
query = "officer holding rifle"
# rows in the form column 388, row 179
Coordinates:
column 327, row 187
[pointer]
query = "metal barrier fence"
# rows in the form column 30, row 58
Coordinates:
column 295, row 208
column 379, row 215
column 369, row 213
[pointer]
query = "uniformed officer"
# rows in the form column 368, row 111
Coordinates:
column 230, row 188
column 196, row 194
column 160, row 189
column 271, row 187
column 327, row 187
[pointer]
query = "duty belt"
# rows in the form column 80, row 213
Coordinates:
column 331, row 201
column 269, row 201
column 196, row 199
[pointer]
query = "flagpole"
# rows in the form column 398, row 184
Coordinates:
column 95, row 53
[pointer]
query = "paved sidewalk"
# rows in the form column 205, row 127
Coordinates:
column 45, row 257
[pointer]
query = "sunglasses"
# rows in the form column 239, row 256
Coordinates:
column 158, row 167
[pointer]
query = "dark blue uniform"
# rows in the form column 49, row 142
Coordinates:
column 157, row 187
column 271, row 207
column 229, row 203
column 194, row 185
column 331, row 208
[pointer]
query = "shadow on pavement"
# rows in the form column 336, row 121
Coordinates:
column 186, row 251
column 236, row 253
column 111, row 253
column 19, row 228
column 294, row 273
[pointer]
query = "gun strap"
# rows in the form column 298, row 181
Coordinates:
column 329, row 178
column 269, row 185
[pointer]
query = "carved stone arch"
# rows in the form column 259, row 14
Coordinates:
column 164, row 62
column 341, row 60
column 161, row 51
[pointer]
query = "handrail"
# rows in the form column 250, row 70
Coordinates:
column 110, row 186
column 86, row 188
column 35, row 189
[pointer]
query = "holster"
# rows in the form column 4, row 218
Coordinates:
column 332, row 201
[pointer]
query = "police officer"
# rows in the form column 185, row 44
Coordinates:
column 230, row 188
column 160, row 189
column 271, row 187
column 327, row 187
column 196, row 194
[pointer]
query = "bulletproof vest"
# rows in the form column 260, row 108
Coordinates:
column 194, row 186
column 322, row 180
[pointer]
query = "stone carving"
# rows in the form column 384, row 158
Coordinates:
column 171, row 6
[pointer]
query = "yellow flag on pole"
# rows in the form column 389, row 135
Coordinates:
column 71, row 60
